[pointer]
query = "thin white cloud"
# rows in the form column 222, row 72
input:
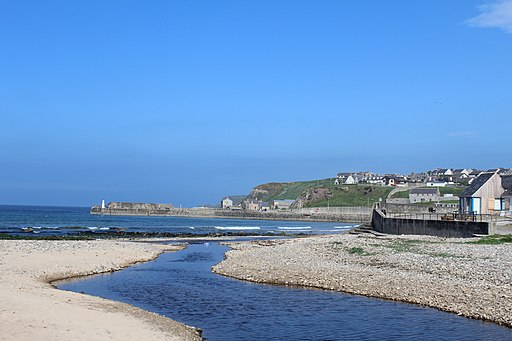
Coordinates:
column 497, row 14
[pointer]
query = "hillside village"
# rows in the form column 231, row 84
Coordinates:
column 451, row 189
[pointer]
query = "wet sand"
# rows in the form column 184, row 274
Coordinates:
column 32, row 309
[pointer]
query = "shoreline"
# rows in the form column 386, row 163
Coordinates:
column 446, row 274
column 31, row 306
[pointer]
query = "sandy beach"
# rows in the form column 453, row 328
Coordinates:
column 32, row 309
column 472, row 280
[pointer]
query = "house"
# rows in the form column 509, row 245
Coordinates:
column 461, row 176
column 423, row 195
column 417, row 177
column 438, row 182
column 375, row 179
column 226, row 203
column 345, row 178
column 506, row 197
column 460, row 172
column 251, row 205
column 232, row 201
column 395, row 180
column 441, row 172
column 474, row 174
column 281, row 204
column 264, row 206
column 483, row 196
column 351, row 180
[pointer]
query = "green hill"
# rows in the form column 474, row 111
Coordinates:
column 353, row 195
column 285, row 190
column 321, row 193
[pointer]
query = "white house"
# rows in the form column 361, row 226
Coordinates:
column 226, row 203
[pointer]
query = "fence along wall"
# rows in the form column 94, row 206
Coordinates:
column 440, row 228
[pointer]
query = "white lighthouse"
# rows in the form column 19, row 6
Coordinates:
column 102, row 204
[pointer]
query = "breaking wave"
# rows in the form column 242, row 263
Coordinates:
column 294, row 227
column 237, row 227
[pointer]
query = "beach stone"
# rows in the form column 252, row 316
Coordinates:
column 446, row 273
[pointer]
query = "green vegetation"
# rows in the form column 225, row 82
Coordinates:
column 339, row 195
column 401, row 195
column 451, row 190
column 288, row 190
column 407, row 245
column 358, row 251
column 410, row 245
column 353, row 195
column 445, row 255
column 494, row 239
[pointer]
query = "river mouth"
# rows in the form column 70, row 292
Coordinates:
column 181, row 286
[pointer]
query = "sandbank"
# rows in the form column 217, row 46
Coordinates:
column 32, row 309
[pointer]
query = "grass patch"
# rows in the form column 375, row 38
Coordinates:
column 401, row 195
column 494, row 239
column 359, row 251
column 451, row 190
column 356, row 251
column 406, row 245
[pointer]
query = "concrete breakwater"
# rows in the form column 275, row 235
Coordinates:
column 346, row 214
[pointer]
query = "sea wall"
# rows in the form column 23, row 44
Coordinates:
column 440, row 228
column 410, row 208
column 346, row 214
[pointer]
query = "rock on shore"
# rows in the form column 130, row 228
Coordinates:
column 448, row 274
column 32, row 309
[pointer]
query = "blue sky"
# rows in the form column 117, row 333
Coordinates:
column 188, row 101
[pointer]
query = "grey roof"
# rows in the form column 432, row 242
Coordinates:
column 506, row 183
column 284, row 201
column 237, row 199
column 476, row 184
column 424, row 191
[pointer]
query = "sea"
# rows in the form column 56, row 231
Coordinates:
column 47, row 220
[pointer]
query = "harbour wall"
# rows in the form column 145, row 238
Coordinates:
column 440, row 228
column 342, row 214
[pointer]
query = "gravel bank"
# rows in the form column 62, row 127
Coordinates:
column 448, row 274
column 32, row 309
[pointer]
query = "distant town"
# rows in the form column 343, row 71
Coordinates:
column 453, row 189
column 353, row 195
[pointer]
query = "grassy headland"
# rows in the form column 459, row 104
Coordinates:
column 321, row 193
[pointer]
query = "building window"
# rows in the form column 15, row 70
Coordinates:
column 497, row 204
